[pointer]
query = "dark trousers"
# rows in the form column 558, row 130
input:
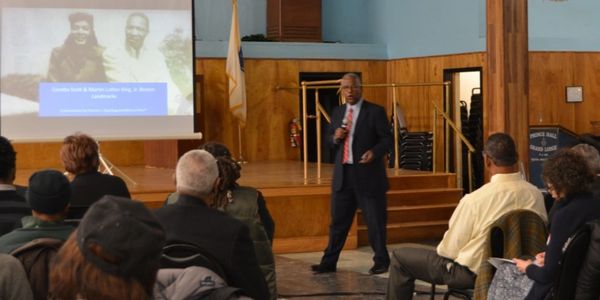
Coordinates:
column 343, row 207
column 423, row 263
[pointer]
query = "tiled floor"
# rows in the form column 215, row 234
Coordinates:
column 295, row 280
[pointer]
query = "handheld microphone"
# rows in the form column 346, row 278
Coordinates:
column 344, row 123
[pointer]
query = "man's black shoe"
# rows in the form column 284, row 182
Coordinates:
column 319, row 269
column 378, row 269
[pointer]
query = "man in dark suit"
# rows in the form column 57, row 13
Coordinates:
column 360, row 134
column 12, row 205
column 191, row 220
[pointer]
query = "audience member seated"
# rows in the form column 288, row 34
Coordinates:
column 460, row 253
column 568, row 177
column 48, row 195
column 190, row 220
column 80, row 157
column 219, row 150
column 241, row 203
column 12, row 205
column 246, row 204
column 592, row 157
column 113, row 254
column 13, row 281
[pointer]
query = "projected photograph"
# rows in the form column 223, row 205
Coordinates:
column 58, row 62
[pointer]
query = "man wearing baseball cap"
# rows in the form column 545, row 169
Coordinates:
column 49, row 194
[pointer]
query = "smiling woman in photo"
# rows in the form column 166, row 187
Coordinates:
column 79, row 59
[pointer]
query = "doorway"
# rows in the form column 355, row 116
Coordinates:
column 329, row 100
column 466, row 111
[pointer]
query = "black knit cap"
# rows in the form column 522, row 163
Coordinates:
column 49, row 192
column 126, row 230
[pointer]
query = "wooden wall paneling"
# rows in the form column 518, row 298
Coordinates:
column 586, row 73
column 216, row 105
column 416, row 101
column 38, row 155
column 46, row 155
column 270, row 110
column 549, row 73
column 123, row 153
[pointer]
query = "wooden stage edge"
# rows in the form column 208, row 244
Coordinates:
column 299, row 207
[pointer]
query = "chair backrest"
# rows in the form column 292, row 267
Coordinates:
column 76, row 212
column 574, row 252
column 181, row 255
column 9, row 223
column 588, row 286
column 515, row 234
column 35, row 257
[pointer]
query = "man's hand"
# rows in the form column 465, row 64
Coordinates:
column 340, row 134
column 522, row 264
column 367, row 157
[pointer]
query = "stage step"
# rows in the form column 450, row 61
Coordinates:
column 425, row 196
column 421, row 213
column 422, row 181
column 408, row 232
column 419, row 208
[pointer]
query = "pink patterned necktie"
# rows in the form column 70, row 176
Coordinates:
column 346, row 157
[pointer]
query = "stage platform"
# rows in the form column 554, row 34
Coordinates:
column 419, row 203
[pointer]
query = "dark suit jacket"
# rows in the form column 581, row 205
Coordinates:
column 372, row 132
column 12, row 208
column 227, row 239
column 88, row 188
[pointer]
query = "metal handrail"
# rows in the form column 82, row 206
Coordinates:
column 462, row 138
column 326, row 84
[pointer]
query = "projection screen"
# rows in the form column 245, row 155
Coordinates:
column 112, row 69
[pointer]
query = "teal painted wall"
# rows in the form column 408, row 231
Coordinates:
column 390, row 29
column 433, row 27
column 564, row 26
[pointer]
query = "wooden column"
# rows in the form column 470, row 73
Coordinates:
column 165, row 153
column 507, row 57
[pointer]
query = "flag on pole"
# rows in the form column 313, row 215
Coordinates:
column 235, row 70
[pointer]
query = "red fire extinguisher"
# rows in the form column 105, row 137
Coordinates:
column 295, row 133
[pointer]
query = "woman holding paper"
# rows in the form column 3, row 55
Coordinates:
column 568, row 178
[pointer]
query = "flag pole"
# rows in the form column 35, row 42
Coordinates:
column 234, row 68
column 241, row 157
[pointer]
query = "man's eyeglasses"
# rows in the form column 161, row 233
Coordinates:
column 350, row 87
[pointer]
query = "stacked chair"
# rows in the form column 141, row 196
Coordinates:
column 416, row 150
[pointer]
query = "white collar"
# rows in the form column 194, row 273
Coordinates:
column 7, row 187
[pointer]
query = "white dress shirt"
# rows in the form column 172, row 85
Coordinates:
column 355, row 111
